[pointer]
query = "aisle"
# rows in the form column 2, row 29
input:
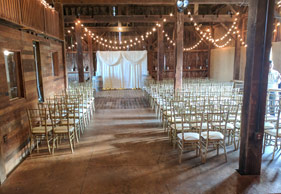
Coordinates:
column 125, row 151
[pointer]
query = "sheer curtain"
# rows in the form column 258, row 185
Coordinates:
column 121, row 69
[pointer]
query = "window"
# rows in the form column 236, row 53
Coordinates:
column 55, row 64
column 14, row 74
column 114, row 11
column 37, row 63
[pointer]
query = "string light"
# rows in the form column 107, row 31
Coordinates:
column 46, row 5
column 194, row 46
column 207, row 36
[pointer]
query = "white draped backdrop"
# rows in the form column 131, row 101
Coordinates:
column 121, row 69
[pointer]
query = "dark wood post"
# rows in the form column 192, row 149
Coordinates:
column 237, row 57
column 59, row 8
column 209, row 52
column 179, row 50
column 79, row 57
column 260, row 27
column 160, row 53
column 91, row 60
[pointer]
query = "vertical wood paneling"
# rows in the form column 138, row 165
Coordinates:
column 10, row 10
column 52, row 22
column 13, row 118
column 32, row 12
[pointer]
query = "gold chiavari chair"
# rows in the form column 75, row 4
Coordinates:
column 214, row 135
column 38, row 128
column 60, row 130
column 272, row 137
column 189, row 138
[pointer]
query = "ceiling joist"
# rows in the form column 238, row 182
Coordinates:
column 147, row 19
column 149, row 2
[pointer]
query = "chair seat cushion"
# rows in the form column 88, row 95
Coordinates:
column 63, row 129
column 271, row 117
column 229, row 126
column 268, row 125
column 232, row 118
column 49, row 122
column 172, row 119
column 213, row 135
column 178, row 126
column 189, row 136
column 238, row 124
column 71, row 122
column 273, row 132
column 167, row 113
column 41, row 129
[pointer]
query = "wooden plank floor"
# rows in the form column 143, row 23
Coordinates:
column 125, row 151
column 121, row 99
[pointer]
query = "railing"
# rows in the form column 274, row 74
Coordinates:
column 31, row 13
column 10, row 10
column 52, row 22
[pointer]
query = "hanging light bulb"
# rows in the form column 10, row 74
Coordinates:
column 182, row 5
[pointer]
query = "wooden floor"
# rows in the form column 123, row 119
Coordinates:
column 121, row 99
column 125, row 151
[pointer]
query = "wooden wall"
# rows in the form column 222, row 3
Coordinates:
column 10, row 10
column 13, row 118
column 31, row 14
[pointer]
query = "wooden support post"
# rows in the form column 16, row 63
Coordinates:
column 209, row 52
column 260, row 26
column 179, row 51
column 160, row 53
column 196, row 9
column 59, row 8
column 237, row 57
column 91, row 60
column 150, row 57
column 79, row 57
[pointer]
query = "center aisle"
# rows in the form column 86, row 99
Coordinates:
column 125, row 151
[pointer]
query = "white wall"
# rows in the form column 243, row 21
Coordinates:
column 222, row 64
column 242, row 63
column 276, row 55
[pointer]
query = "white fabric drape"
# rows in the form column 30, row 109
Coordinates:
column 122, row 69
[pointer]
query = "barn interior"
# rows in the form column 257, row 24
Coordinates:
column 126, row 96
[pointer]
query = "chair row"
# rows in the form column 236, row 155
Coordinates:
column 63, row 116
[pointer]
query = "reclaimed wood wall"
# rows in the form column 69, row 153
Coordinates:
column 14, row 133
column 10, row 10
column 31, row 14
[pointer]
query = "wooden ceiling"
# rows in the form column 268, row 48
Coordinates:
column 148, row 2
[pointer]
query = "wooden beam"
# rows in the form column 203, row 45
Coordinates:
column 260, row 26
column 237, row 55
column 210, row 18
column 179, row 51
column 119, row 18
column 146, row 19
column 160, row 53
column 209, row 53
column 226, row 29
column 149, row 2
column 124, row 29
column 237, row 58
column 91, row 60
column 196, row 9
column 80, row 66
column 59, row 8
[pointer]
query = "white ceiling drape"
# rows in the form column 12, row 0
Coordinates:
column 121, row 69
